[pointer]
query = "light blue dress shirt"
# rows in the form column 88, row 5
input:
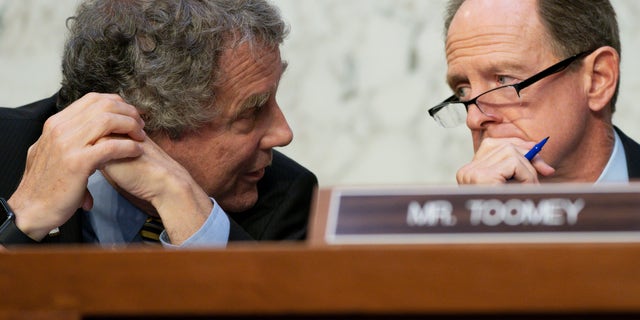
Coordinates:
column 114, row 221
column 616, row 169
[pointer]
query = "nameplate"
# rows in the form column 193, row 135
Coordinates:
column 514, row 213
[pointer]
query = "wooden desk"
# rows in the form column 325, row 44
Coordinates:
column 271, row 280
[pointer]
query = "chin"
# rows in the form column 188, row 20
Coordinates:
column 240, row 202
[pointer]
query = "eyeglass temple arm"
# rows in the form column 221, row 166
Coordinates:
column 442, row 104
column 551, row 70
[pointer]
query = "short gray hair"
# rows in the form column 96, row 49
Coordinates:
column 161, row 56
column 573, row 26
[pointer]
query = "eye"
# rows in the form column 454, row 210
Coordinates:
column 253, row 112
column 243, row 124
column 505, row 80
column 463, row 93
column 246, row 121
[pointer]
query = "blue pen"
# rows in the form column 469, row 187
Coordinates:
column 532, row 153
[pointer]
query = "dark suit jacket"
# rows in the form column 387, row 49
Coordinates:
column 632, row 151
column 281, row 213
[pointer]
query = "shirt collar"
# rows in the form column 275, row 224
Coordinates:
column 616, row 169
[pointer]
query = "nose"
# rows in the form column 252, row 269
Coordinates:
column 477, row 119
column 279, row 133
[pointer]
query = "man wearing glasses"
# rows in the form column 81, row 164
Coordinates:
column 522, row 71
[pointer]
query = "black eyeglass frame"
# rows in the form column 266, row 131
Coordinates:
column 517, row 86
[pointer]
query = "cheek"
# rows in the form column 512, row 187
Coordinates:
column 565, row 125
column 220, row 166
column 207, row 160
column 217, row 164
column 566, row 112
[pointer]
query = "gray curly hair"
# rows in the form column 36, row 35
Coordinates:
column 161, row 55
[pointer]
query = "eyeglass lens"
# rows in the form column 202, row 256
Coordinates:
column 453, row 114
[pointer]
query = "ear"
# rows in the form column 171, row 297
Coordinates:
column 603, row 67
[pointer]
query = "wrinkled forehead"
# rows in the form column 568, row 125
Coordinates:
column 249, row 60
column 477, row 21
column 496, row 27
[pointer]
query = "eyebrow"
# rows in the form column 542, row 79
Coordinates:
column 254, row 101
column 491, row 69
column 455, row 79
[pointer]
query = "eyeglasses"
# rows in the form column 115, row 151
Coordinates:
column 453, row 112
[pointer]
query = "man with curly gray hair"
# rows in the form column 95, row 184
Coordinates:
column 167, row 112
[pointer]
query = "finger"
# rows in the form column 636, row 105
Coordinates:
column 91, row 105
column 490, row 145
column 542, row 166
column 112, row 148
column 105, row 124
column 524, row 173
column 112, row 103
column 499, row 166
column 79, row 106
column 484, row 173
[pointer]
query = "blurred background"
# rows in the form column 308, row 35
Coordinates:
column 361, row 76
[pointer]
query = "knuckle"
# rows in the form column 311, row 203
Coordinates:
column 104, row 104
column 32, row 149
column 50, row 123
column 91, row 96
column 103, row 121
column 53, row 128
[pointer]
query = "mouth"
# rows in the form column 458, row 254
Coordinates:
column 505, row 132
column 255, row 176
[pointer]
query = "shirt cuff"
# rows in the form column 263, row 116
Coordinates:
column 213, row 233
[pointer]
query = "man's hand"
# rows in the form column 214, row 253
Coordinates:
column 74, row 143
column 499, row 161
column 156, row 183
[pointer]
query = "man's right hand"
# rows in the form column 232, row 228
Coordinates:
column 74, row 143
column 501, row 160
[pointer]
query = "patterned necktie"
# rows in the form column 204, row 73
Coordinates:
column 151, row 230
